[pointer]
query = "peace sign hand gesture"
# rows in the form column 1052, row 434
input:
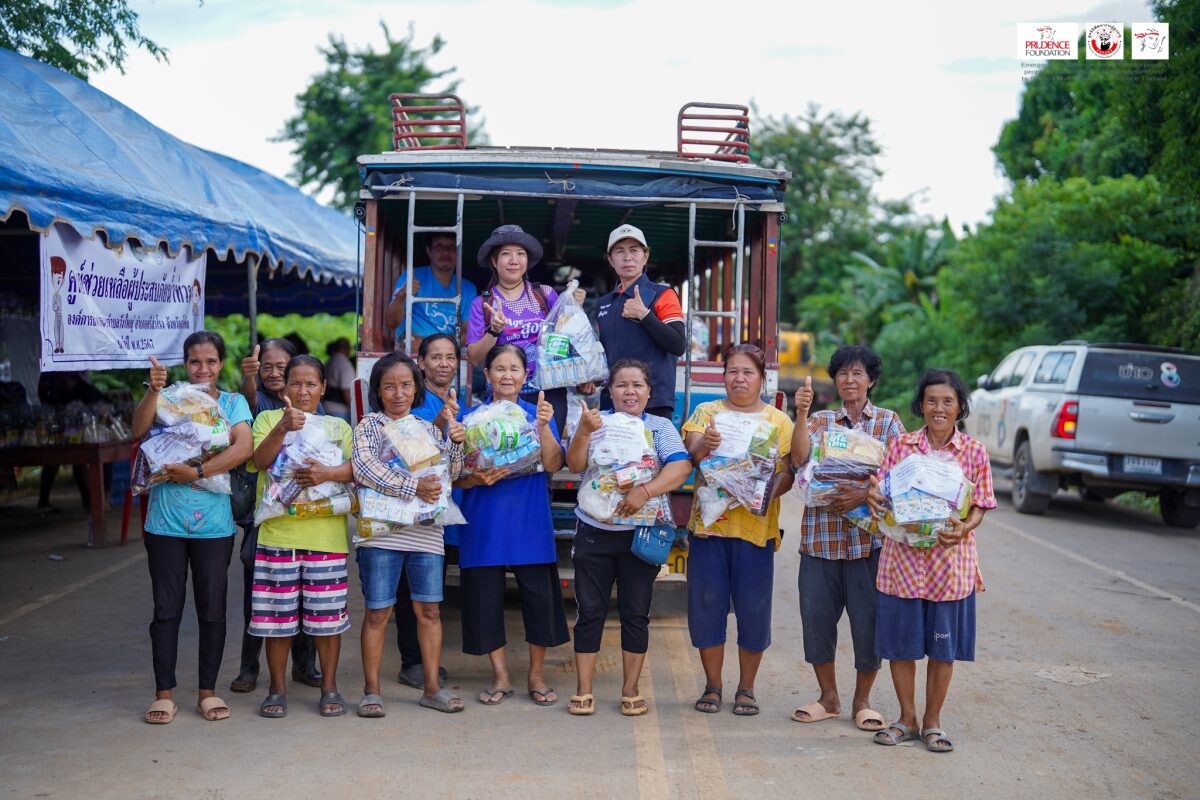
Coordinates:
column 494, row 316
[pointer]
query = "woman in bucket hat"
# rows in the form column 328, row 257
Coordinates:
column 511, row 309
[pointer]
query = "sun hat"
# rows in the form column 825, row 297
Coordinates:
column 627, row 232
column 509, row 234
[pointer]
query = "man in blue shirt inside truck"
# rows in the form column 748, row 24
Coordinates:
column 436, row 279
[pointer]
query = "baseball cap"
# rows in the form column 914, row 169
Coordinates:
column 626, row 232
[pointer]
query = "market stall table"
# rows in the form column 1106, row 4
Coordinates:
column 94, row 456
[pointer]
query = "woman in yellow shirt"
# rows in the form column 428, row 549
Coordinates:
column 300, row 562
column 732, row 560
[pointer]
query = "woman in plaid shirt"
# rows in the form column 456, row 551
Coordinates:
column 927, row 594
column 838, row 560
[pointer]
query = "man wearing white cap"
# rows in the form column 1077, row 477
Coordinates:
column 641, row 319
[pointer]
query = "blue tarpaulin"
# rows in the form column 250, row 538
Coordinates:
column 70, row 153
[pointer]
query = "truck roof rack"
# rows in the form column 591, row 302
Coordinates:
column 1153, row 348
column 726, row 140
column 428, row 122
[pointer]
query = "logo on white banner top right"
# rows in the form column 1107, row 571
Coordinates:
column 1104, row 41
column 1148, row 40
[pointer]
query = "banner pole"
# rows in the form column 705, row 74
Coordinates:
column 252, row 291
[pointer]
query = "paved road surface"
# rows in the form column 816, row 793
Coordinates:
column 1086, row 591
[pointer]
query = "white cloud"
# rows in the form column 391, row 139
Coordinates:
column 605, row 74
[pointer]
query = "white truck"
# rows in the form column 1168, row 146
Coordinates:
column 1106, row 418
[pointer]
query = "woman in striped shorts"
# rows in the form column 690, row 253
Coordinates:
column 300, row 562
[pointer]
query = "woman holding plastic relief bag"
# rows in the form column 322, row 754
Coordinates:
column 264, row 388
column 511, row 309
column 926, row 603
column 300, row 574
column 838, row 560
column 733, row 559
column 509, row 527
column 189, row 528
column 437, row 357
column 396, row 387
column 602, row 551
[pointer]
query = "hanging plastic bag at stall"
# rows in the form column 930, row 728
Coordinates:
column 500, row 436
column 621, row 456
column 408, row 448
column 568, row 350
column 282, row 495
column 743, row 466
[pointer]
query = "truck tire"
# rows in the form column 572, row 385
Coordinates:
column 1175, row 512
column 1024, row 498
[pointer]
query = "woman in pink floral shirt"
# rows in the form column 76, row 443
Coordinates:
column 927, row 594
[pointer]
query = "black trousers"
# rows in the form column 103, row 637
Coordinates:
column 601, row 559
column 483, row 607
column 304, row 652
column 406, row 618
column 169, row 558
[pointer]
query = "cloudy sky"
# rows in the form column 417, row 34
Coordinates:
column 936, row 78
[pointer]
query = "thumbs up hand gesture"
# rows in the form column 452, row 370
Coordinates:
column 712, row 436
column 250, row 363
column 449, row 412
column 158, row 375
column 804, row 398
column 590, row 420
column 545, row 411
column 634, row 308
column 293, row 418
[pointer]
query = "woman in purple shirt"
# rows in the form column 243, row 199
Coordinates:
column 511, row 310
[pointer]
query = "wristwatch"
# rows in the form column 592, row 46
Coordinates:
column 199, row 471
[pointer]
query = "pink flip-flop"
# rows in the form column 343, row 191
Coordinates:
column 815, row 711
column 867, row 715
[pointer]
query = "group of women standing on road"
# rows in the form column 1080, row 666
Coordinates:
column 904, row 603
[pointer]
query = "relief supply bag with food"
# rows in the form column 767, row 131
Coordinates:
column 188, row 426
column 923, row 493
column 282, row 495
column 621, row 456
column 841, row 458
column 408, row 448
column 568, row 350
column 499, row 436
column 742, row 470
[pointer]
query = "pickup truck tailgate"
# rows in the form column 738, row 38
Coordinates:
column 1141, row 405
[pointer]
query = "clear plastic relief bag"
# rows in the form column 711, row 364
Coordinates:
column 568, row 350
column 500, row 436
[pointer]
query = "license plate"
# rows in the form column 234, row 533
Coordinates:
column 1143, row 466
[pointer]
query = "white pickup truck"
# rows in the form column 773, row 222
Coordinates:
column 1106, row 418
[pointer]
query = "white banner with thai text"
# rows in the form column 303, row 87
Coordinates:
column 113, row 309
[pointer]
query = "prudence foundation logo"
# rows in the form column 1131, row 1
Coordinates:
column 1104, row 41
column 1148, row 41
column 1046, row 40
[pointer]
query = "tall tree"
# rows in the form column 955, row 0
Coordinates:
column 1069, row 126
column 829, row 203
column 1103, row 261
column 77, row 36
column 345, row 112
column 1165, row 111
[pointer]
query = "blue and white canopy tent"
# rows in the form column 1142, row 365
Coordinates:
column 70, row 153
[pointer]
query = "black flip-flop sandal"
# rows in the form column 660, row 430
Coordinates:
column 714, row 705
column 744, row 709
